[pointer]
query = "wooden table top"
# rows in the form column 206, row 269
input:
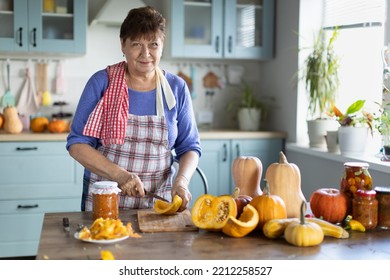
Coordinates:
column 201, row 245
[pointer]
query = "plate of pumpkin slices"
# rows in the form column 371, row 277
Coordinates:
column 100, row 241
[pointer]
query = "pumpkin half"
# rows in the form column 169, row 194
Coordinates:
column 166, row 208
column 242, row 226
column 212, row 212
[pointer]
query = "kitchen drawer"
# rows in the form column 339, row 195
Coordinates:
column 38, row 170
column 21, row 227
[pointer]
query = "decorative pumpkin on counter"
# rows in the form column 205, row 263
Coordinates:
column 57, row 126
column 330, row 204
column 1, row 120
column 212, row 212
column 302, row 233
column 39, row 124
column 12, row 122
column 166, row 208
column 241, row 200
column 247, row 172
column 285, row 181
column 268, row 206
column 242, row 226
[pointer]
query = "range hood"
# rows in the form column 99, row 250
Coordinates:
column 111, row 12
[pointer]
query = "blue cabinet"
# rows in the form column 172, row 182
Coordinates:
column 234, row 29
column 218, row 155
column 33, row 27
column 36, row 178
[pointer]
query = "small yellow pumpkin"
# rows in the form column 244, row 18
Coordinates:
column 212, row 212
column 166, row 208
column 302, row 233
column 247, row 172
column 242, row 226
column 285, row 181
column 268, row 206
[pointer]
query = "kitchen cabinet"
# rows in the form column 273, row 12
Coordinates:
column 35, row 27
column 218, row 155
column 233, row 29
column 36, row 178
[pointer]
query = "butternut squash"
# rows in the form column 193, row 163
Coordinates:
column 12, row 122
column 247, row 172
column 284, row 180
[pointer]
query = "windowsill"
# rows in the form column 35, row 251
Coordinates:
column 375, row 162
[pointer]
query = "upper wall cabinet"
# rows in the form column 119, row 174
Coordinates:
column 43, row 26
column 233, row 29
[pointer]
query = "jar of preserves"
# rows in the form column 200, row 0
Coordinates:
column 365, row 208
column 383, row 197
column 105, row 202
column 355, row 177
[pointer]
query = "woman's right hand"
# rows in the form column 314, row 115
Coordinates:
column 131, row 184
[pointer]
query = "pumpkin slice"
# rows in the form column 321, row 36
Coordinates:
column 212, row 212
column 242, row 226
column 166, row 208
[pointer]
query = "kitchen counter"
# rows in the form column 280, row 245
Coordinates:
column 204, row 135
column 201, row 245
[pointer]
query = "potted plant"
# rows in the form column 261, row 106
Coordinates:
column 320, row 73
column 250, row 111
column 355, row 125
column 383, row 127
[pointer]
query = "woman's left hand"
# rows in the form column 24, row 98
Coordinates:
column 180, row 188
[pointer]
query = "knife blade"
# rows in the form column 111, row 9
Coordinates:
column 155, row 196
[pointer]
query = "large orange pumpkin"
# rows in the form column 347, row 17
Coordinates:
column 247, row 172
column 212, row 212
column 268, row 206
column 57, row 126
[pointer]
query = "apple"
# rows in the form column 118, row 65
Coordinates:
column 241, row 201
column 329, row 204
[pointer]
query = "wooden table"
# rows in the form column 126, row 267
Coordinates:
column 201, row 245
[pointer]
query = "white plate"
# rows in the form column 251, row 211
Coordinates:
column 103, row 241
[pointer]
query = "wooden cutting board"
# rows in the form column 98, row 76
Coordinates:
column 150, row 221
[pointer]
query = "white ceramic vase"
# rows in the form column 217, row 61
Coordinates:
column 352, row 140
column 249, row 119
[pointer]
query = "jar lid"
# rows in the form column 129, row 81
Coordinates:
column 365, row 193
column 382, row 189
column 356, row 164
column 105, row 187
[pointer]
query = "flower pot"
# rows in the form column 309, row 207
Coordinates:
column 317, row 130
column 249, row 119
column 352, row 140
column 332, row 141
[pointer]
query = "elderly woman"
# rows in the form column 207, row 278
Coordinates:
column 130, row 117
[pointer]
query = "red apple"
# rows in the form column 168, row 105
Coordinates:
column 329, row 204
column 241, row 201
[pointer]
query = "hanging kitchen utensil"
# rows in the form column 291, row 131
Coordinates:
column 27, row 104
column 39, row 83
column 8, row 98
column 193, row 92
column 60, row 80
column 46, row 96
column 210, row 80
column 186, row 78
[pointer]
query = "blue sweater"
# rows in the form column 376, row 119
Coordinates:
column 183, row 134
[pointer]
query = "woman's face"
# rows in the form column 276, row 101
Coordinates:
column 142, row 55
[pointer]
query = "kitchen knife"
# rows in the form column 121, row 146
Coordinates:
column 155, row 196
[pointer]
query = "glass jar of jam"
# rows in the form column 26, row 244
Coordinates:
column 105, row 202
column 365, row 208
column 383, row 197
column 355, row 177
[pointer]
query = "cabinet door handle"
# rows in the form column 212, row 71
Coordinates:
column 224, row 153
column 238, row 150
column 27, row 148
column 230, row 44
column 34, row 37
column 217, row 44
column 28, row 206
column 20, row 32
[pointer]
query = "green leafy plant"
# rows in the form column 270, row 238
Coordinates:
column 320, row 73
column 355, row 115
